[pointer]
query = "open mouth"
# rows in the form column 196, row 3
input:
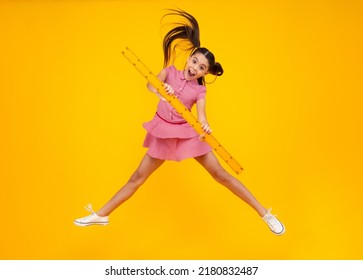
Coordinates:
column 190, row 74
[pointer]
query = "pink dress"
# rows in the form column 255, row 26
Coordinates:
column 169, row 136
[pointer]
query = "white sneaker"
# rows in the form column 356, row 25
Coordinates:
column 273, row 223
column 92, row 219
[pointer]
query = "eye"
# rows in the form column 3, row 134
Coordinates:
column 194, row 61
column 201, row 68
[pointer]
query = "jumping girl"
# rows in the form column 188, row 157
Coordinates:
column 170, row 137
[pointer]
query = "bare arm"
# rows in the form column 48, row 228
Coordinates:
column 202, row 118
column 162, row 77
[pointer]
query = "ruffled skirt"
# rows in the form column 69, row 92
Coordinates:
column 169, row 141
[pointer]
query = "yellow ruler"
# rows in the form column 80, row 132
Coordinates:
column 181, row 109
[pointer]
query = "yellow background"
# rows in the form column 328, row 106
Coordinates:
column 288, row 108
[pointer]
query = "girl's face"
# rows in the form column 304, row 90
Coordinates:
column 197, row 66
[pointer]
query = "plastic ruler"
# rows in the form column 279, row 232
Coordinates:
column 181, row 109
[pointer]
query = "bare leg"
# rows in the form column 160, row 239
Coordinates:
column 212, row 165
column 147, row 166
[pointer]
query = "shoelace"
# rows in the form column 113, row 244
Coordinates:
column 271, row 219
column 89, row 208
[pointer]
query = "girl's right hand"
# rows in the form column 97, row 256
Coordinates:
column 169, row 89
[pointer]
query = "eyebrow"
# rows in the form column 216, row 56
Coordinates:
column 198, row 60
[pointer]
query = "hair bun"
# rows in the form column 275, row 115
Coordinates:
column 217, row 69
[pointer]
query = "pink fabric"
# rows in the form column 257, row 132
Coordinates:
column 168, row 138
column 175, row 148
column 188, row 92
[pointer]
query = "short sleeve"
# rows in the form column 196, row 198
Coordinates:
column 202, row 93
column 170, row 70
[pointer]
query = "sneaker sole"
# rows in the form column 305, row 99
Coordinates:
column 90, row 224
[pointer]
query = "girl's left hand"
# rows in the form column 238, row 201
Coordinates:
column 206, row 128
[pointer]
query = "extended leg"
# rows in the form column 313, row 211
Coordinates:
column 212, row 165
column 147, row 166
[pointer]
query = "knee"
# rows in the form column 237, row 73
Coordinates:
column 137, row 178
column 220, row 175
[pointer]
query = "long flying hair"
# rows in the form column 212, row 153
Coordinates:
column 187, row 30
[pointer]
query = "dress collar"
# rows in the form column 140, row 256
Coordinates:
column 181, row 75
